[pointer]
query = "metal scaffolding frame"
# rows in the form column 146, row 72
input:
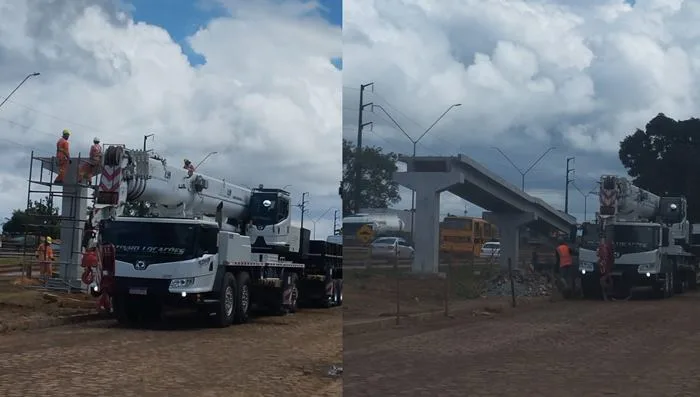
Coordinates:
column 46, row 187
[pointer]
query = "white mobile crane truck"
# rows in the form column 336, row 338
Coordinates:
column 215, row 246
column 651, row 240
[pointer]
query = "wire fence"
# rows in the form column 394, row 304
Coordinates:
column 385, row 286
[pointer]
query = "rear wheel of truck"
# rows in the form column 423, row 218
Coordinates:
column 242, row 313
column 226, row 306
column 680, row 284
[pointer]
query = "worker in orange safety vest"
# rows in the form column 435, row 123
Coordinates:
column 189, row 167
column 92, row 166
column 44, row 255
column 63, row 156
column 566, row 262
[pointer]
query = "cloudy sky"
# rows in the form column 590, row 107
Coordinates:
column 575, row 75
column 259, row 82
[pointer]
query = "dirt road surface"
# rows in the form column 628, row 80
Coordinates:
column 640, row 348
column 271, row 356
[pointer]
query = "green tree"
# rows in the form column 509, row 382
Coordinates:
column 664, row 159
column 40, row 217
column 377, row 187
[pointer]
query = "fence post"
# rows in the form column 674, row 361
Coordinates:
column 398, row 291
column 512, row 282
column 448, row 277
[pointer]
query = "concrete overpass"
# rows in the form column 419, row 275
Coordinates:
column 509, row 208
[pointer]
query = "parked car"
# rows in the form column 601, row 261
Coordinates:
column 492, row 249
column 390, row 247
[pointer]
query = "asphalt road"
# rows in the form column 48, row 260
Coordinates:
column 571, row 348
column 271, row 356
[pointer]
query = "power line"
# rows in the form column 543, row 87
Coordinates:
column 53, row 116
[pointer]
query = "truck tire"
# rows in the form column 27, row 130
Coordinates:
column 226, row 307
column 125, row 312
column 680, row 283
column 242, row 313
column 692, row 280
column 670, row 284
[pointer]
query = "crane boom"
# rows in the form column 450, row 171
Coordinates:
column 136, row 175
column 621, row 199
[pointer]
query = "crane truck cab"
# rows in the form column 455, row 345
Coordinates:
column 650, row 238
column 214, row 245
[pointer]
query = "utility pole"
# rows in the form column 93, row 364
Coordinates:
column 302, row 206
column 568, row 181
column 335, row 223
column 358, row 151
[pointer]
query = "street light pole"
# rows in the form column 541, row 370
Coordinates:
column 415, row 144
column 145, row 138
column 585, row 199
column 204, row 159
column 523, row 173
column 18, row 85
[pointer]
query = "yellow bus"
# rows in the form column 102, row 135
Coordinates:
column 463, row 236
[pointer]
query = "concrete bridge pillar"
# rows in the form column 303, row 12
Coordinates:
column 509, row 225
column 426, row 233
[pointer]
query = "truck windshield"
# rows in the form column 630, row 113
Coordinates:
column 629, row 238
column 590, row 236
column 150, row 241
column 272, row 214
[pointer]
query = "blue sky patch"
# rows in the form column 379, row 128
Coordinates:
column 185, row 17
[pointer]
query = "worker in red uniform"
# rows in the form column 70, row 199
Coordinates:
column 91, row 167
column 566, row 264
column 63, row 156
column 44, row 255
column 189, row 167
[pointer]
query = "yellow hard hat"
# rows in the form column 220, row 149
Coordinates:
column 49, row 240
column 66, row 132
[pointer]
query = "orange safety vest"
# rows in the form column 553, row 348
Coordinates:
column 564, row 255
column 62, row 149
column 44, row 253
column 95, row 152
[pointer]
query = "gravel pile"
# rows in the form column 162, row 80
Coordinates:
column 528, row 284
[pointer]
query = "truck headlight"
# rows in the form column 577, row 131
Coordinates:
column 181, row 283
column 585, row 267
column 647, row 268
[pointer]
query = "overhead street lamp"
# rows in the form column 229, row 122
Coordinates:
column 585, row 199
column 318, row 219
column 145, row 138
column 523, row 173
column 415, row 144
column 17, row 88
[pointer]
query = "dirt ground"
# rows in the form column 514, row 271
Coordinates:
column 371, row 294
column 271, row 356
column 20, row 306
column 581, row 348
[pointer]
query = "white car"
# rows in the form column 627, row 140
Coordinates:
column 491, row 249
column 389, row 247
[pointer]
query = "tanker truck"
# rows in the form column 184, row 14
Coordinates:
column 214, row 246
column 650, row 237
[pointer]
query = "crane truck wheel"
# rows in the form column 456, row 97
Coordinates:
column 126, row 312
column 226, row 309
column 242, row 313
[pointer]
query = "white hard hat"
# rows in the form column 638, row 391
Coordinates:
column 95, row 139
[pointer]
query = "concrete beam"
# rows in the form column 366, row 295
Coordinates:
column 509, row 225
column 73, row 214
column 426, row 234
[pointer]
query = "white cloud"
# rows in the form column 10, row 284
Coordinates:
column 267, row 99
column 579, row 75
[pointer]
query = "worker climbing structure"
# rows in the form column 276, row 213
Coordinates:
column 71, row 199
